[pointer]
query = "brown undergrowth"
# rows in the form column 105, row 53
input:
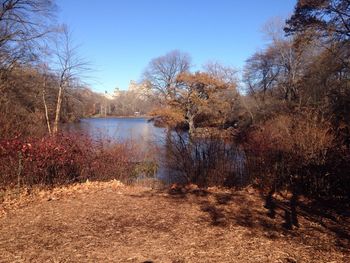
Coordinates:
column 111, row 222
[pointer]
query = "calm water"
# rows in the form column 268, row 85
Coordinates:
column 145, row 135
column 119, row 129
column 138, row 130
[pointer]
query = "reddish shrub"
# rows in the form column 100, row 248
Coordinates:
column 63, row 159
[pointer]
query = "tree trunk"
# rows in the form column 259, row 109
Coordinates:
column 191, row 126
column 58, row 109
column 46, row 112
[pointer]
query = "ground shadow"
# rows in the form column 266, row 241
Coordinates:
column 263, row 214
column 266, row 215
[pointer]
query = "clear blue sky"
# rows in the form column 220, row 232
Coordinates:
column 120, row 37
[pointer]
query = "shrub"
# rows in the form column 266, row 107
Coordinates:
column 204, row 161
column 62, row 159
column 295, row 152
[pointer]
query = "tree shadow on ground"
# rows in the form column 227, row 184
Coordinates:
column 267, row 216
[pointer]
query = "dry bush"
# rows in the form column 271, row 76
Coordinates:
column 122, row 160
column 293, row 152
column 204, row 161
column 17, row 121
column 65, row 158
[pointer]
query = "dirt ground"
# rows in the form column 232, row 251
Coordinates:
column 109, row 222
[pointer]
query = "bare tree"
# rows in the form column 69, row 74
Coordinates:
column 23, row 24
column 330, row 18
column 45, row 76
column 69, row 67
column 260, row 73
column 289, row 59
column 225, row 73
column 230, row 99
column 325, row 20
column 162, row 72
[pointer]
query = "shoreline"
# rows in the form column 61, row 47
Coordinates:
column 119, row 117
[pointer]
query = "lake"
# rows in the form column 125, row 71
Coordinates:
column 151, row 140
column 138, row 130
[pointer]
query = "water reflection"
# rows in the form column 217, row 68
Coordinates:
column 139, row 130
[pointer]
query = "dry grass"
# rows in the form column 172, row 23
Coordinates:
column 109, row 222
